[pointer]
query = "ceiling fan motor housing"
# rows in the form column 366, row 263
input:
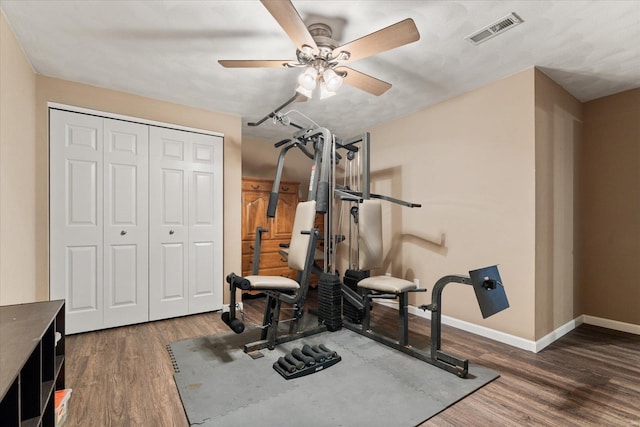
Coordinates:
column 321, row 34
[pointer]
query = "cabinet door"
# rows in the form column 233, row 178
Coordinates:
column 285, row 214
column 126, row 299
column 76, row 217
column 168, row 223
column 254, row 214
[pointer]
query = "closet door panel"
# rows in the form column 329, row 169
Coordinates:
column 172, row 276
column 205, row 224
column 76, row 217
column 82, row 279
column 126, row 223
column 168, row 239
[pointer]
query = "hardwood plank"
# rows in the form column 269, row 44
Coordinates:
column 590, row 377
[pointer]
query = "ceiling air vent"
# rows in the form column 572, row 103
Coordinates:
column 492, row 30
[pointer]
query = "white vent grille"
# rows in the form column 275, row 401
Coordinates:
column 492, row 30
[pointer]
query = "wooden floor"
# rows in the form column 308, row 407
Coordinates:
column 590, row 377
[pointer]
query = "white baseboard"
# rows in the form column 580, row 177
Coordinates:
column 518, row 342
column 483, row 331
column 557, row 334
column 611, row 324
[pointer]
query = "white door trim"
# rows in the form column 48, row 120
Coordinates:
column 74, row 109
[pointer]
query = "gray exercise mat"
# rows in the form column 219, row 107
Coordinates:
column 373, row 385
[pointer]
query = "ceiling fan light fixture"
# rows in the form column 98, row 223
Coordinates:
column 308, row 78
column 303, row 91
column 332, row 80
column 325, row 92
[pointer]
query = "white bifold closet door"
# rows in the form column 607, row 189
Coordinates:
column 98, row 220
column 185, row 223
column 135, row 221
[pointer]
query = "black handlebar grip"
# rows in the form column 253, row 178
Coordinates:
column 309, row 361
column 306, row 349
column 273, row 204
column 280, row 143
column 286, row 365
column 299, row 364
column 238, row 281
column 322, row 197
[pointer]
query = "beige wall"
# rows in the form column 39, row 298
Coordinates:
column 609, row 205
column 470, row 162
column 80, row 95
column 558, row 129
column 17, row 172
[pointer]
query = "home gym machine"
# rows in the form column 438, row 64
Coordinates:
column 301, row 252
column 359, row 288
column 348, row 301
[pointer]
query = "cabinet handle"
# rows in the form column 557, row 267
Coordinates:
column 123, row 232
column 251, row 247
column 171, row 231
column 285, row 188
column 282, row 259
column 255, row 186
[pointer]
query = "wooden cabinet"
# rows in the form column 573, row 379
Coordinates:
column 255, row 201
column 32, row 361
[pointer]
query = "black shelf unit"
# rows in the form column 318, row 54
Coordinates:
column 32, row 362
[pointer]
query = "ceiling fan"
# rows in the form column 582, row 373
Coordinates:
column 322, row 57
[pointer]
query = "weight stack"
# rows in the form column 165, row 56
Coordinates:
column 351, row 279
column 330, row 301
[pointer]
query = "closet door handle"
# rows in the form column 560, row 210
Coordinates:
column 123, row 232
column 171, row 231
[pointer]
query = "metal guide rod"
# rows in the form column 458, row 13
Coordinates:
column 365, row 140
column 331, row 250
column 315, row 176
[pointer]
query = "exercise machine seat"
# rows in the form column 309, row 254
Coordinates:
column 272, row 282
column 387, row 284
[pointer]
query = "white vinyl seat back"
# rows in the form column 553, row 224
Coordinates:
column 304, row 220
column 370, row 235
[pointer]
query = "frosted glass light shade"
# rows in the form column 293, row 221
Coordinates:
column 332, row 80
column 325, row 92
column 306, row 92
column 308, row 79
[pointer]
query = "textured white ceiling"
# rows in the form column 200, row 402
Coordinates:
column 169, row 50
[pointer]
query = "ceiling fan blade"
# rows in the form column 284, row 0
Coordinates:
column 364, row 81
column 287, row 16
column 388, row 38
column 232, row 63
